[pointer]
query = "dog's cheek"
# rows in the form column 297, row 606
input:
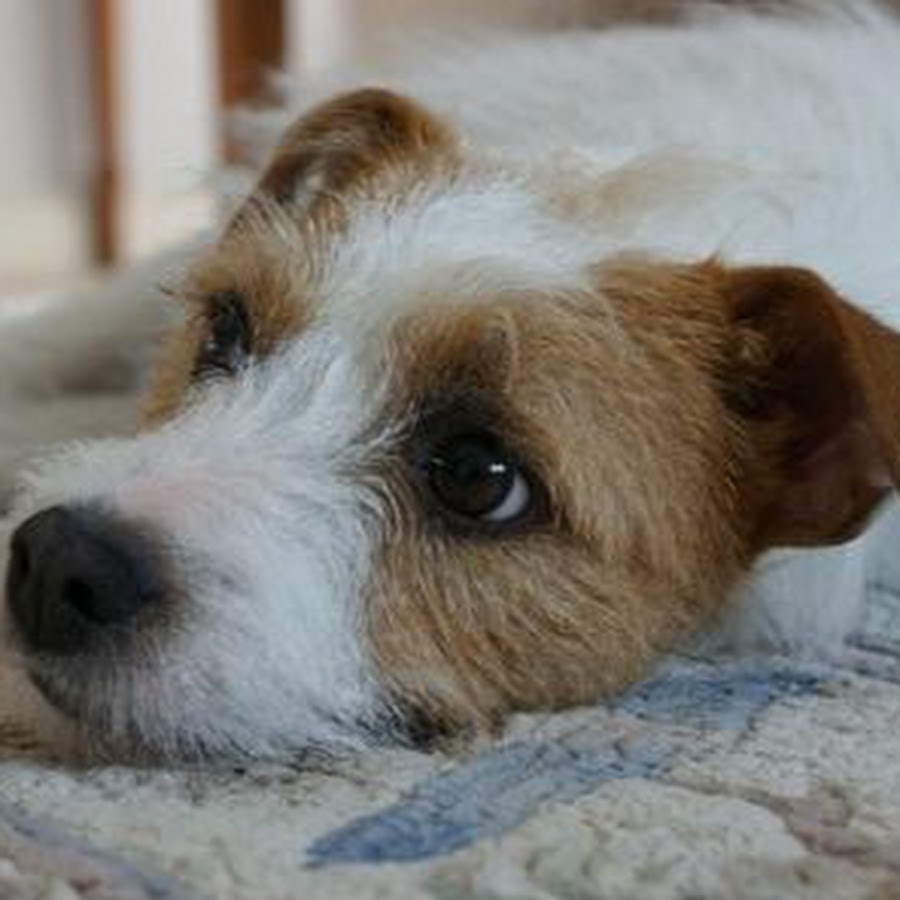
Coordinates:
column 463, row 634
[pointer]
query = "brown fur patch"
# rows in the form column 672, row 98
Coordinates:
column 613, row 402
column 357, row 144
column 667, row 415
column 352, row 138
column 817, row 386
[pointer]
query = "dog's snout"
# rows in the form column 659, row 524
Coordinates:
column 76, row 571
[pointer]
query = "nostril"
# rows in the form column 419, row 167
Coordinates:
column 19, row 563
column 73, row 571
column 78, row 594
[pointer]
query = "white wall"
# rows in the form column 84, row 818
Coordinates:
column 168, row 118
column 167, row 92
column 319, row 33
column 46, row 147
column 43, row 93
column 167, row 129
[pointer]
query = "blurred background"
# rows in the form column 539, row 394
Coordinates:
column 113, row 111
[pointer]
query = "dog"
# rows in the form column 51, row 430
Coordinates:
column 511, row 373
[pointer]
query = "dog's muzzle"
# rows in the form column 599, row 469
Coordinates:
column 78, row 577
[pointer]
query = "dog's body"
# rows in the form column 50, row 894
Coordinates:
column 486, row 397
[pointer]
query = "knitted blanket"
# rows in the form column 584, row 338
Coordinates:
column 739, row 779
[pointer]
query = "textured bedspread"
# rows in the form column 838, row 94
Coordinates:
column 753, row 778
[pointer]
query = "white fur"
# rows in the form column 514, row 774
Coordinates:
column 257, row 495
column 464, row 241
column 758, row 139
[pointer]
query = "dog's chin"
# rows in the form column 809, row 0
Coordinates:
column 105, row 732
column 95, row 740
column 105, row 737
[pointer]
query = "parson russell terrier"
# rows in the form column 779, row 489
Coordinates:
column 499, row 384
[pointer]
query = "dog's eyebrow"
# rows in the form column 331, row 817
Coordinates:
column 458, row 406
column 169, row 291
column 193, row 297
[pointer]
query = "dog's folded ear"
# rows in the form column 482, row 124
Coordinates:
column 338, row 144
column 815, row 384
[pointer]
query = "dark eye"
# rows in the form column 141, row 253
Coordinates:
column 226, row 343
column 475, row 477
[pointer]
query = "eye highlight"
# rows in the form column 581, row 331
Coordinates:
column 227, row 339
column 474, row 478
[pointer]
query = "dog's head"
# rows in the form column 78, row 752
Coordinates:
column 428, row 450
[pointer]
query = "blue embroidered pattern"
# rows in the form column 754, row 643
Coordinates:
column 506, row 785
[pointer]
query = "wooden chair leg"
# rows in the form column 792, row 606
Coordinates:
column 251, row 43
column 105, row 181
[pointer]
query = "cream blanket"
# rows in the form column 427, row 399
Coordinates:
column 757, row 778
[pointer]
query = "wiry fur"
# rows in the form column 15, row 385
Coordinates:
column 253, row 497
column 556, row 228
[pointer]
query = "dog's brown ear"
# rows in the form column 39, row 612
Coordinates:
column 816, row 384
column 345, row 140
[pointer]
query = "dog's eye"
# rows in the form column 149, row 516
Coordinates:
column 475, row 477
column 226, row 343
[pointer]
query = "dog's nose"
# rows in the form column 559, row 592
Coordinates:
column 74, row 572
